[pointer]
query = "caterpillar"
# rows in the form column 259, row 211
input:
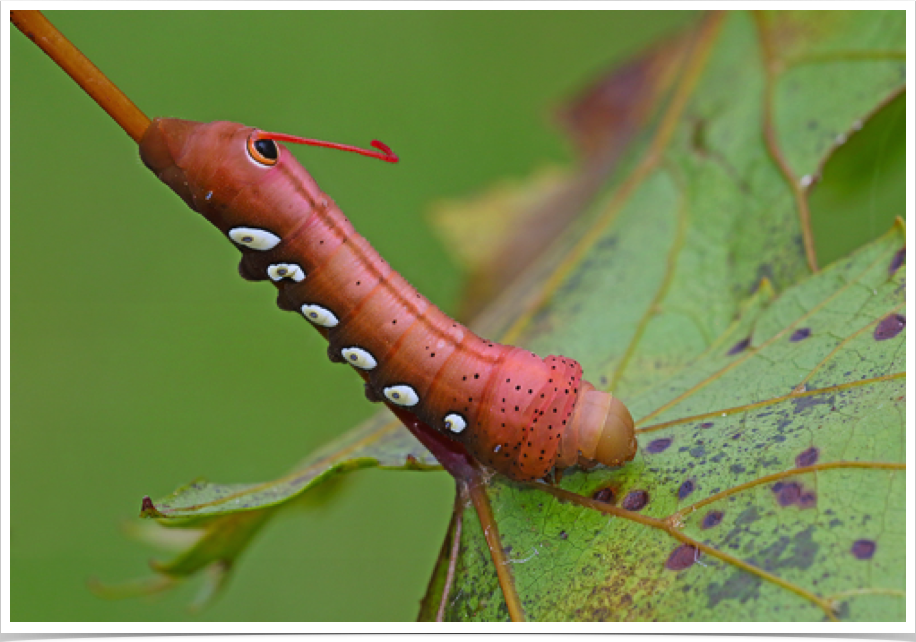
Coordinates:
column 512, row 410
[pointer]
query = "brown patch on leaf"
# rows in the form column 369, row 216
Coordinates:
column 148, row 509
column 604, row 495
column 684, row 556
column 604, row 118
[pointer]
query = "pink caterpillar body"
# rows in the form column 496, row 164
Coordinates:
column 515, row 412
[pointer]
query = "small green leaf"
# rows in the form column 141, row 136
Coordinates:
column 224, row 518
column 380, row 442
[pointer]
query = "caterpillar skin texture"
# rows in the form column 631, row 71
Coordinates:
column 513, row 411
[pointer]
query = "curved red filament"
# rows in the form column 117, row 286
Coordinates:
column 386, row 154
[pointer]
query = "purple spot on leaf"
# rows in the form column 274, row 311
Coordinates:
column 787, row 494
column 807, row 457
column 712, row 518
column 741, row 346
column 863, row 549
column 898, row 260
column 635, row 500
column 800, row 335
column 889, row 327
column 686, row 488
column 659, row 445
column 807, row 500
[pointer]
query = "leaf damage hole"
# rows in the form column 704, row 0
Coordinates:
column 889, row 327
column 712, row 518
column 807, row 457
column 741, row 346
column 635, row 500
column 800, row 335
column 659, row 445
column 684, row 556
column 863, row 549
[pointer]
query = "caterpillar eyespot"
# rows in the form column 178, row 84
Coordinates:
column 319, row 315
column 254, row 238
column 455, row 423
column 514, row 411
column 402, row 396
column 280, row 271
column 359, row 358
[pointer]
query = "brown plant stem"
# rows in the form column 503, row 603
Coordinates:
column 471, row 483
column 44, row 34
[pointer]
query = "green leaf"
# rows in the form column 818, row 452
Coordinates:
column 224, row 518
column 380, row 442
column 770, row 481
column 764, row 502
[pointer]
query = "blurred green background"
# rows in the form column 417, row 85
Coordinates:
column 144, row 361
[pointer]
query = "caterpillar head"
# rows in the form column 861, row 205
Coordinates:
column 223, row 169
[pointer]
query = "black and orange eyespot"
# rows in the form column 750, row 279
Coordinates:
column 263, row 150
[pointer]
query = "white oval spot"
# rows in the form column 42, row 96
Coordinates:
column 319, row 315
column 359, row 358
column 455, row 422
column 401, row 395
column 254, row 238
column 279, row 271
